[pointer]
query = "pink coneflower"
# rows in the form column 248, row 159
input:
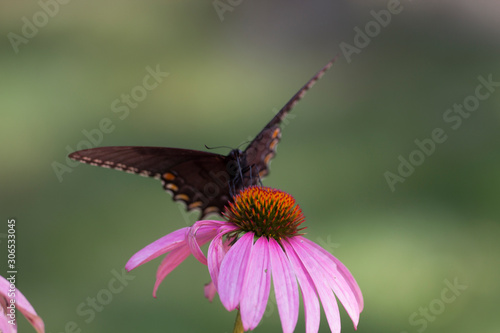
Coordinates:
column 11, row 303
column 261, row 238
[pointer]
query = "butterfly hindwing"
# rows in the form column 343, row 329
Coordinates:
column 201, row 183
column 197, row 178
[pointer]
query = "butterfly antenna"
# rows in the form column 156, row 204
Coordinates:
column 217, row 147
column 243, row 143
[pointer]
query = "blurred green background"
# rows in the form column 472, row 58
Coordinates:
column 226, row 79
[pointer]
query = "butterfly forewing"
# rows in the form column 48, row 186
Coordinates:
column 263, row 148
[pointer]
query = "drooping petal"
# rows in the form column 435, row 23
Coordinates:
column 210, row 291
column 232, row 271
column 34, row 320
column 176, row 244
column 157, row 248
column 345, row 273
column 169, row 263
column 311, row 304
column 5, row 327
column 216, row 252
column 22, row 305
column 285, row 286
column 336, row 280
column 256, row 285
column 200, row 233
column 319, row 278
column 215, row 255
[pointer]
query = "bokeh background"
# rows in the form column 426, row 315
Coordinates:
column 229, row 71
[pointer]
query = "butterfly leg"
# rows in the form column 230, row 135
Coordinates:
column 240, row 170
column 259, row 180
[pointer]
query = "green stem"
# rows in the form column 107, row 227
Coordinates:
column 238, row 325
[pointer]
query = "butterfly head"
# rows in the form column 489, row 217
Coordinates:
column 235, row 154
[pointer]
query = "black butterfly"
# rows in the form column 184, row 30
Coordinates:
column 200, row 179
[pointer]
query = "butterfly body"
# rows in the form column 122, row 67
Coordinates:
column 202, row 180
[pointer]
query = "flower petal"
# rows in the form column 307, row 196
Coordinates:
column 232, row 271
column 200, row 233
column 345, row 273
column 210, row 291
column 285, row 286
column 5, row 327
column 311, row 304
column 216, row 252
column 319, row 278
column 256, row 285
column 157, row 248
column 22, row 305
column 169, row 263
column 338, row 284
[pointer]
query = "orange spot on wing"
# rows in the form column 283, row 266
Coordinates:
column 268, row 158
column 172, row 187
column 273, row 144
column 211, row 209
column 168, row 176
column 182, row 197
column 195, row 204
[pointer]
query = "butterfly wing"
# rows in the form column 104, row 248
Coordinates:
column 262, row 149
column 199, row 179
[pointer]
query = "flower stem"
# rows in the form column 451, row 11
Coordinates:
column 238, row 325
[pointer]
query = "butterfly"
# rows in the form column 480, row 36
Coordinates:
column 202, row 180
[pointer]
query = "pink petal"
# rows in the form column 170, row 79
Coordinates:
column 200, row 233
column 256, row 285
column 35, row 321
column 210, row 291
column 285, row 286
column 340, row 287
column 5, row 327
column 344, row 272
column 216, row 252
column 232, row 271
column 163, row 245
column 319, row 278
column 169, row 263
column 311, row 303
column 22, row 305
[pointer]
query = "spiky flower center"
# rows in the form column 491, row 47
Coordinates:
column 266, row 212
